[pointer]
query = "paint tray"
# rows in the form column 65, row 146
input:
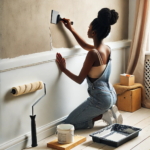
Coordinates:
column 115, row 135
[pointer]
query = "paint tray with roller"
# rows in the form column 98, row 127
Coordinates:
column 115, row 135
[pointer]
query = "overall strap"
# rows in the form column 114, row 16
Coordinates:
column 100, row 58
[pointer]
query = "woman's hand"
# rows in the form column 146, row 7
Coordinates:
column 67, row 24
column 61, row 62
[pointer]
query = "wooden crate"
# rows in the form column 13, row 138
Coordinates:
column 127, row 81
column 130, row 100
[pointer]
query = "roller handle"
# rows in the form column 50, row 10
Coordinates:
column 33, row 131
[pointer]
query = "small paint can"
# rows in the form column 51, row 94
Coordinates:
column 65, row 133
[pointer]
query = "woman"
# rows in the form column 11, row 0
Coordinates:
column 96, row 68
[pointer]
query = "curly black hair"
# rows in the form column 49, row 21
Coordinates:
column 102, row 24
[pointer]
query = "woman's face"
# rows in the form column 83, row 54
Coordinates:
column 89, row 33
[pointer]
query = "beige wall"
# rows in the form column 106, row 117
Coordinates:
column 24, row 26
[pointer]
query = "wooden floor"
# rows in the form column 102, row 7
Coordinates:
column 139, row 118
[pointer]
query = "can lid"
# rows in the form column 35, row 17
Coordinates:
column 65, row 127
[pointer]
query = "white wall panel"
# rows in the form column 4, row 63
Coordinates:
column 63, row 94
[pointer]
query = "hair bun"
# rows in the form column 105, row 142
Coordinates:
column 114, row 17
column 107, row 17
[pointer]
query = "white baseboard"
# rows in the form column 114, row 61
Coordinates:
column 24, row 141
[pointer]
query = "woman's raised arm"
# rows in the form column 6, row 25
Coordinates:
column 79, row 39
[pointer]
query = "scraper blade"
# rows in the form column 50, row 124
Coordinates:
column 55, row 17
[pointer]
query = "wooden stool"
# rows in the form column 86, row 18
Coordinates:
column 130, row 100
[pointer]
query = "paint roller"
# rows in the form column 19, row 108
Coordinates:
column 55, row 17
column 27, row 88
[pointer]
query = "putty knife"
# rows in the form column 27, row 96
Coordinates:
column 55, row 17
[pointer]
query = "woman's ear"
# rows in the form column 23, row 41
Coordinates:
column 93, row 33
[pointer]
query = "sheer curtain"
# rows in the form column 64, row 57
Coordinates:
column 140, row 43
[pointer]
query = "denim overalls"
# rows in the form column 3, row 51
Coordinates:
column 101, row 97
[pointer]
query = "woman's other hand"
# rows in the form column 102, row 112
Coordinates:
column 61, row 62
column 67, row 24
